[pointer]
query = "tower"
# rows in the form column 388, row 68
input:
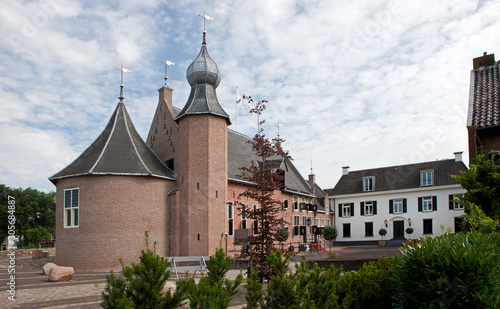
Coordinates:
column 202, row 160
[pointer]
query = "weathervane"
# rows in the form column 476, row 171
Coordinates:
column 122, row 69
column 279, row 125
column 205, row 17
column 166, row 63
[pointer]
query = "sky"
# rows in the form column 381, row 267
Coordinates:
column 364, row 84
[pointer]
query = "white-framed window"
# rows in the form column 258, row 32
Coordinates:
column 368, row 208
column 296, row 223
column 328, row 222
column 426, row 178
column 295, row 203
column 243, row 216
column 397, row 206
column 317, row 222
column 230, row 219
column 427, row 203
column 346, row 210
column 368, row 184
column 453, row 204
column 322, row 221
column 304, row 220
column 71, row 207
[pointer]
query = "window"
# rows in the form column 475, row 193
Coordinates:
column 368, row 208
column 285, row 204
column 255, row 222
column 317, row 221
column 230, row 217
column 346, row 227
column 322, row 221
column 427, row 226
column 397, row 206
column 368, row 184
column 368, row 229
column 346, row 210
column 427, row 203
column 296, row 223
column 304, row 220
column 243, row 216
column 328, row 222
column 453, row 204
column 426, row 178
column 71, row 207
column 295, row 203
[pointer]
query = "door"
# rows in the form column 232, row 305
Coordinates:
column 399, row 229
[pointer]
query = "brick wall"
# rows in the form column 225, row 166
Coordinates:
column 114, row 213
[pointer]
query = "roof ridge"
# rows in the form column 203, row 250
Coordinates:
column 115, row 115
column 134, row 145
column 409, row 164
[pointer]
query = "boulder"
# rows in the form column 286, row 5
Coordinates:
column 60, row 273
column 46, row 268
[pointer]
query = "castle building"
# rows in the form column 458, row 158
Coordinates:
column 180, row 184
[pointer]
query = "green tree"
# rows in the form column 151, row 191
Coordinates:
column 330, row 233
column 482, row 182
column 33, row 209
column 37, row 235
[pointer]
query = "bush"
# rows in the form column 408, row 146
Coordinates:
column 449, row 271
column 142, row 285
column 214, row 290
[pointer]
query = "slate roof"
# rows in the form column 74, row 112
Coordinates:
column 119, row 150
column 398, row 177
column 240, row 154
column 203, row 75
column 484, row 97
column 319, row 201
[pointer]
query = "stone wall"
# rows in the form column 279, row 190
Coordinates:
column 25, row 252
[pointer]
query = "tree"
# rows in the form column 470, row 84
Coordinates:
column 33, row 209
column 266, row 178
column 330, row 233
column 482, row 182
column 37, row 235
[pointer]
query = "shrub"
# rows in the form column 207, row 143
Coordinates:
column 214, row 290
column 450, row 270
column 142, row 285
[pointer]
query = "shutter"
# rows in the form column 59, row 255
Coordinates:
column 352, row 209
column 296, row 230
column 434, row 203
column 391, row 206
column 285, row 204
column 340, row 210
column 362, row 208
column 451, row 197
column 420, row 204
column 405, row 209
column 374, row 207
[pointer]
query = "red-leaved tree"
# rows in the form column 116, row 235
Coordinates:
column 267, row 179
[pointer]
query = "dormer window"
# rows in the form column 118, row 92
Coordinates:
column 426, row 178
column 368, row 184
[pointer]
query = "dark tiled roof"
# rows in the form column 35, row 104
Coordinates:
column 119, row 150
column 320, row 196
column 398, row 177
column 484, row 97
column 240, row 154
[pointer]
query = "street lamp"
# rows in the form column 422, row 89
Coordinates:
column 385, row 223
column 409, row 222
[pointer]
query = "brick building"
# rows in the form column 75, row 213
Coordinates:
column 180, row 184
column 483, row 119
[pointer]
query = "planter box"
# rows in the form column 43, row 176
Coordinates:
column 37, row 254
column 381, row 243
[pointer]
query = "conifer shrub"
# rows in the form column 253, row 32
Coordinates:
column 142, row 284
column 214, row 290
column 449, row 271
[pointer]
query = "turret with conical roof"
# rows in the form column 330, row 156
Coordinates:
column 203, row 75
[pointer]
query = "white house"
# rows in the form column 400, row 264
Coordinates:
column 397, row 197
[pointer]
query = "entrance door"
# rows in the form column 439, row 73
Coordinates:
column 399, row 229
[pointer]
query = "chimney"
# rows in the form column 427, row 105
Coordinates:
column 484, row 61
column 166, row 98
column 345, row 170
column 312, row 178
column 458, row 156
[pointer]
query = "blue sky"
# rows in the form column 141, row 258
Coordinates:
column 361, row 83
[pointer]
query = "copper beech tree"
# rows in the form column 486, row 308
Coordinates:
column 267, row 178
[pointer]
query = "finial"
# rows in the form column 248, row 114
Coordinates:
column 166, row 63
column 205, row 17
column 122, row 69
column 279, row 125
column 312, row 166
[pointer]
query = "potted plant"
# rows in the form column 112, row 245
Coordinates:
column 409, row 231
column 382, row 232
